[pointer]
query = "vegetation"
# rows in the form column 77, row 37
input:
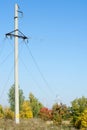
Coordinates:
column 29, row 124
column 34, row 111
column 78, row 108
column 45, row 114
column 35, row 105
column 26, row 111
column 11, row 97
column 59, row 113
column 1, row 112
column 8, row 113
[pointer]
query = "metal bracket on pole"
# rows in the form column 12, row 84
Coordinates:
column 20, row 35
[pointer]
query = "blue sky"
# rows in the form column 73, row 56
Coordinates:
column 58, row 42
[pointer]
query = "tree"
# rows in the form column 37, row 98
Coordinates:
column 11, row 97
column 1, row 112
column 59, row 112
column 45, row 114
column 26, row 111
column 81, row 122
column 77, row 108
column 84, row 119
column 35, row 105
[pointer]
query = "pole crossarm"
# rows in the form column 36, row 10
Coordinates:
column 20, row 35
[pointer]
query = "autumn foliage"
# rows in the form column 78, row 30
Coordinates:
column 8, row 113
column 45, row 114
column 79, row 112
column 75, row 115
column 26, row 111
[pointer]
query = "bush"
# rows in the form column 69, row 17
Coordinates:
column 1, row 112
column 8, row 113
column 26, row 111
column 45, row 114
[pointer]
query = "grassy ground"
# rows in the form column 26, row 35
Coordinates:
column 31, row 124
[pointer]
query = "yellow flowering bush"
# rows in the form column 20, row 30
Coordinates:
column 8, row 113
column 26, row 111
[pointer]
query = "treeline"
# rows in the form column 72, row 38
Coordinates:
column 60, row 114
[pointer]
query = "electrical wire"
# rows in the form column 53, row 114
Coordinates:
column 5, row 85
column 45, row 81
column 5, row 59
column 2, row 47
column 37, row 66
column 35, row 81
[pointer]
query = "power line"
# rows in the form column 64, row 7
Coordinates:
column 37, row 66
column 1, row 51
column 4, row 60
column 5, row 85
column 35, row 81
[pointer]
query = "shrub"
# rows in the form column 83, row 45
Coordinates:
column 45, row 114
column 8, row 113
column 1, row 112
column 26, row 111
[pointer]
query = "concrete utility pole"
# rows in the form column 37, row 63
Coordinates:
column 16, row 34
column 16, row 66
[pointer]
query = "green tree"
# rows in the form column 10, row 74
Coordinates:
column 35, row 105
column 77, row 108
column 1, row 112
column 11, row 97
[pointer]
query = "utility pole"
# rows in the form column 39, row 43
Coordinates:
column 16, row 66
column 16, row 34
